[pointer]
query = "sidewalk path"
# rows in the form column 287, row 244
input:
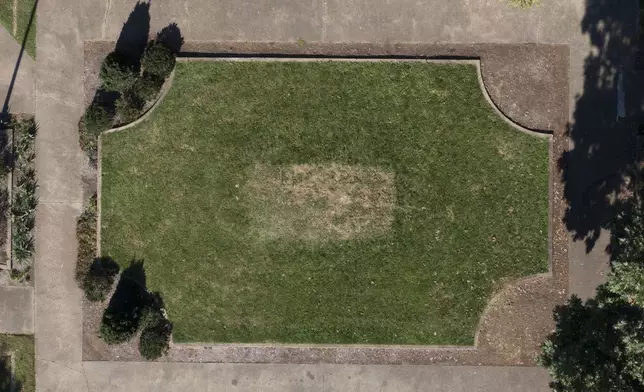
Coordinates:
column 144, row 377
column 22, row 96
column 58, row 163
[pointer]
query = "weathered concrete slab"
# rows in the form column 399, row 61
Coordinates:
column 22, row 94
column 162, row 377
column 379, row 21
column 16, row 310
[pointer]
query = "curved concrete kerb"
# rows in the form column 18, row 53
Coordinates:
column 284, row 347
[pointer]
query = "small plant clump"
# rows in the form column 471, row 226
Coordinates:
column 158, row 59
column 97, row 118
column 100, row 278
column 155, row 337
column 116, row 74
column 128, row 107
column 86, row 237
column 23, row 210
column 147, row 87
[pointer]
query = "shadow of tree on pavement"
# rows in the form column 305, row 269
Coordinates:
column 599, row 166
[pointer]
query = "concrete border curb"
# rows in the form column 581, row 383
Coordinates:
column 448, row 349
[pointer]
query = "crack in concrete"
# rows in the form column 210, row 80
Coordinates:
column 48, row 96
column 70, row 368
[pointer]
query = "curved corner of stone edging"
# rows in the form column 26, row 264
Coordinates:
column 167, row 85
column 518, row 318
column 514, row 124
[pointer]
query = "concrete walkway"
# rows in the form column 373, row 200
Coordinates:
column 16, row 310
column 145, row 377
column 64, row 24
column 22, row 94
column 58, row 164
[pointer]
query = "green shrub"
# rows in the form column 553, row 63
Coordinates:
column 116, row 74
column 100, row 278
column 121, row 318
column 128, row 108
column 86, row 237
column 626, row 280
column 116, row 329
column 95, row 120
column 147, row 87
column 155, row 340
column 23, row 209
column 158, row 59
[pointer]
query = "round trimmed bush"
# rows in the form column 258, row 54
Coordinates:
column 147, row 87
column 100, row 278
column 155, row 340
column 116, row 329
column 116, row 74
column 97, row 119
column 128, row 108
column 158, row 59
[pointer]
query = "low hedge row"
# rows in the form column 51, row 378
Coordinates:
column 126, row 90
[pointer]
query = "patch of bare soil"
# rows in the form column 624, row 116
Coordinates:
column 518, row 319
column 320, row 202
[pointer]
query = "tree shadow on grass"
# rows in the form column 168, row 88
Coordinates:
column 598, row 168
column 8, row 382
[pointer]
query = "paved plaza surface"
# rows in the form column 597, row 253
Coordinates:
column 63, row 28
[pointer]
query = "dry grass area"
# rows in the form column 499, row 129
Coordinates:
column 320, row 202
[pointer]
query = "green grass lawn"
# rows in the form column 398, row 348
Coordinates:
column 25, row 8
column 326, row 202
column 22, row 348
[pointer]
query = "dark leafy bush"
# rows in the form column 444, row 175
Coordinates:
column 128, row 108
column 117, row 329
column 86, row 237
column 147, row 87
column 117, row 74
column 100, row 278
column 97, row 118
column 122, row 316
column 155, row 339
column 158, row 59
column 24, row 201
